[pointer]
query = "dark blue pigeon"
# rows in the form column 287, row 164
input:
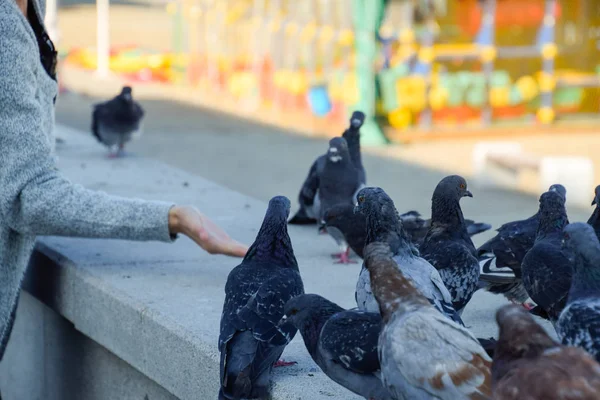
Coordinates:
column 309, row 212
column 594, row 220
column 500, row 257
column 352, row 226
column 343, row 343
column 251, row 341
column 579, row 323
column 448, row 246
column 117, row 121
column 384, row 225
column 547, row 267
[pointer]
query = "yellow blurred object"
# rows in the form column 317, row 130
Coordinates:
column 426, row 54
column 386, row 31
column 281, row 78
column 527, row 86
column 411, row 92
column 326, row 34
column 308, row 32
column 407, row 36
column 547, row 82
column 499, row 97
column 438, row 97
column 171, row 8
column 545, row 115
column 291, row 28
column 549, row 51
column 400, row 118
column 488, row 53
column 346, row 37
column 350, row 92
column 298, row 83
column 274, row 25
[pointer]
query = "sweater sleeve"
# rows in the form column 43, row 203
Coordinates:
column 34, row 197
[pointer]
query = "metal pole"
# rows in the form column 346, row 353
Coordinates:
column 102, row 38
column 51, row 20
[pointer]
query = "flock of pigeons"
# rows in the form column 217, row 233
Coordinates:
column 406, row 339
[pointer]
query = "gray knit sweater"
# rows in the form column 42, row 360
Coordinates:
column 35, row 199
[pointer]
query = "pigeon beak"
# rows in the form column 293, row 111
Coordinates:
column 468, row 194
column 282, row 321
column 594, row 202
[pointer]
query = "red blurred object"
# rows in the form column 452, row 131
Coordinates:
column 455, row 114
column 336, row 114
column 509, row 13
column 509, row 112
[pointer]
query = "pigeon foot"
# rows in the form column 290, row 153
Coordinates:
column 344, row 259
column 528, row 306
column 283, row 363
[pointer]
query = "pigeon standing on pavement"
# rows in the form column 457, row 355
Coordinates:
column 383, row 225
column 579, row 323
column 547, row 267
column 500, row 257
column 423, row 354
column 594, row 220
column 309, row 212
column 251, row 339
column 448, row 246
column 528, row 364
column 117, row 121
column 342, row 343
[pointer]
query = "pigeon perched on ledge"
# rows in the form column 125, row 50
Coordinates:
column 500, row 257
column 117, row 121
column 423, row 354
column 579, row 323
column 383, row 225
column 528, row 364
column 547, row 267
column 251, row 339
column 448, row 246
column 343, row 343
column 309, row 212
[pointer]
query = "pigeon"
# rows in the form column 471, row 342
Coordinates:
column 579, row 323
column 352, row 226
column 251, row 339
column 500, row 257
column 117, row 121
column 448, row 246
column 547, row 267
column 528, row 364
column 384, row 225
column 594, row 220
column 308, row 198
column 423, row 355
column 343, row 343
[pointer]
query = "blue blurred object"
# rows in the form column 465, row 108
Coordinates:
column 319, row 101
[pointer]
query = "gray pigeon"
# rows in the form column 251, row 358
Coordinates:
column 579, row 323
column 594, row 219
column 448, row 246
column 251, row 341
column 500, row 257
column 383, row 225
column 547, row 267
column 308, row 197
column 117, row 121
column 342, row 343
column 423, row 355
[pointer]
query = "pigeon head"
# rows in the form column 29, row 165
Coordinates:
column 596, row 200
column 560, row 189
column 357, row 120
column 520, row 337
column 445, row 206
column 126, row 94
column 308, row 313
column 338, row 150
column 581, row 238
column 383, row 221
column 552, row 213
column 273, row 244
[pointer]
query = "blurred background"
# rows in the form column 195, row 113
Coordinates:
column 436, row 77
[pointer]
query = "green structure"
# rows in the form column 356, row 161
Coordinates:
column 368, row 16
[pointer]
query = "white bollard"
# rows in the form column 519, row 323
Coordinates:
column 574, row 173
column 489, row 174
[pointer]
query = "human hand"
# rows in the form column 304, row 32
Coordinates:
column 190, row 222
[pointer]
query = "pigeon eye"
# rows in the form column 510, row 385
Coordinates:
column 361, row 199
column 462, row 186
column 294, row 312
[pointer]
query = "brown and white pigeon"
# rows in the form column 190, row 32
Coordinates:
column 529, row 365
column 423, row 354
